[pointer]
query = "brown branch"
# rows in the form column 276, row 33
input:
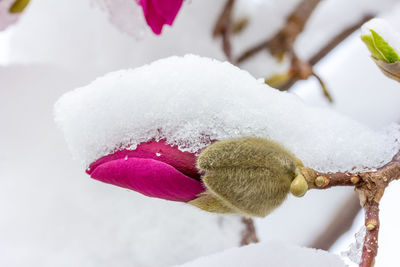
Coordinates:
column 370, row 186
column 319, row 180
column 283, row 40
column 264, row 45
column 364, row 181
column 370, row 247
column 224, row 28
column 302, row 70
column 323, row 87
column 340, row 224
column 325, row 50
column 249, row 234
column 282, row 44
column 336, row 40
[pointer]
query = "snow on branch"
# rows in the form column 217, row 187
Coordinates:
column 189, row 101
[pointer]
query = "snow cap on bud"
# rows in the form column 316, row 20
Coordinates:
column 250, row 176
column 384, row 44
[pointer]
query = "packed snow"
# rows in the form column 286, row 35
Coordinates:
column 271, row 254
column 191, row 100
column 385, row 30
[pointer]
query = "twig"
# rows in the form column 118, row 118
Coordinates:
column 370, row 186
column 282, row 41
column 285, row 46
column 364, row 181
column 335, row 41
column 282, row 44
column 319, row 180
column 253, row 51
column 249, row 234
column 370, row 247
column 224, row 28
column 323, row 87
column 325, row 50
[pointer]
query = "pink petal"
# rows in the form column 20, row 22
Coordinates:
column 168, row 9
column 153, row 19
column 160, row 12
column 184, row 162
column 7, row 18
column 149, row 177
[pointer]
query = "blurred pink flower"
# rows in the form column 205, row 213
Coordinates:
column 160, row 12
column 154, row 169
column 7, row 18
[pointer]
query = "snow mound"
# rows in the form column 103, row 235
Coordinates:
column 191, row 100
column 271, row 254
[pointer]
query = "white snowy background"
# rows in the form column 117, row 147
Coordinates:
column 52, row 214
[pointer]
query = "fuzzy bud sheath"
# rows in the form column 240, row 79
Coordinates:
column 249, row 176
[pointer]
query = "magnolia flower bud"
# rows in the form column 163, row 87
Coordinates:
column 250, row 176
column 384, row 44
